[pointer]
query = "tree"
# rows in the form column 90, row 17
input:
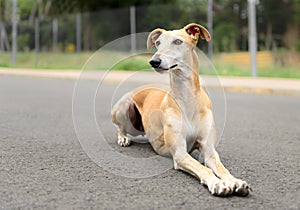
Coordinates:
column 71, row 6
column 4, row 17
column 225, row 36
column 274, row 17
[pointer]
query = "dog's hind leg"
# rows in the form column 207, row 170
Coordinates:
column 127, row 119
column 123, row 140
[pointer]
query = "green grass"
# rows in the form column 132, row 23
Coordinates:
column 224, row 69
column 136, row 63
column 45, row 60
column 123, row 61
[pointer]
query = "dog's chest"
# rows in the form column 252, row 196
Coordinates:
column 192, row 132
column 191, row 118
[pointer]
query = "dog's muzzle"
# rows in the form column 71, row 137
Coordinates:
column 155, row 63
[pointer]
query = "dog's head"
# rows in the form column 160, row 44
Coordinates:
column 175, row 48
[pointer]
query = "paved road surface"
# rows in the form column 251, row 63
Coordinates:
column 42, row 164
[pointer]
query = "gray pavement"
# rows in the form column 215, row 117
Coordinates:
column 42, row 164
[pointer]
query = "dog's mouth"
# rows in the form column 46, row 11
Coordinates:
column 160, row 69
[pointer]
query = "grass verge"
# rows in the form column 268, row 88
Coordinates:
column 107, row 60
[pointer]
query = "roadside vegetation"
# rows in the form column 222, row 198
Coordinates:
column 283, row 65
column 51, row 30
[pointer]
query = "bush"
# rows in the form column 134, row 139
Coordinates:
column 225, row 36
column 298, row 45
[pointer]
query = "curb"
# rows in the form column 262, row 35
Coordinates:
column 231, row 84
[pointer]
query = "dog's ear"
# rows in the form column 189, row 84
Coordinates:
column 196, row 30
column 153, row 36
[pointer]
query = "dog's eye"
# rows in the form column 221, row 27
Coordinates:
column 157, row 43
column 177, row 41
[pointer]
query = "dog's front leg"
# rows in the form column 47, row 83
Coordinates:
column 212, row 160
column 175, row 140
column 239, row 186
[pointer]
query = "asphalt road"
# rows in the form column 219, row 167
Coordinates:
column 43, row 165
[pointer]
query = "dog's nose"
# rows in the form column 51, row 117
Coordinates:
column 155, row 62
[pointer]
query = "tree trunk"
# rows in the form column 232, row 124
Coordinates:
column 269, row 36
column 87, row 32
column 4, row 43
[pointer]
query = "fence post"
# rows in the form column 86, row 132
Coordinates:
column 133, row 29
column 14, row 32
column 210, row 26
column 78, row 36
column 55, row 34
column 252, row 36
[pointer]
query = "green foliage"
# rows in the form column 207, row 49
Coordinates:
column 298, row 45
column 23, row 39
column 296, row 11
column 59, row 7
column 225, row 35
column 112, row 21
column 273, row 19
column 24, row 8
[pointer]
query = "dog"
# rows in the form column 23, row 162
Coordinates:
column 177, row 120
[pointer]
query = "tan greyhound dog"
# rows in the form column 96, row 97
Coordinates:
column 178, row 120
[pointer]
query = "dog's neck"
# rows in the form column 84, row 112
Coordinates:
column 185, row 86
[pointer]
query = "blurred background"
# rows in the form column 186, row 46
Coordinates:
column 63, row 34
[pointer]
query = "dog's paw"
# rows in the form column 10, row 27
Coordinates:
column 240, row 187
column 219, row 187
column 123, row 141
